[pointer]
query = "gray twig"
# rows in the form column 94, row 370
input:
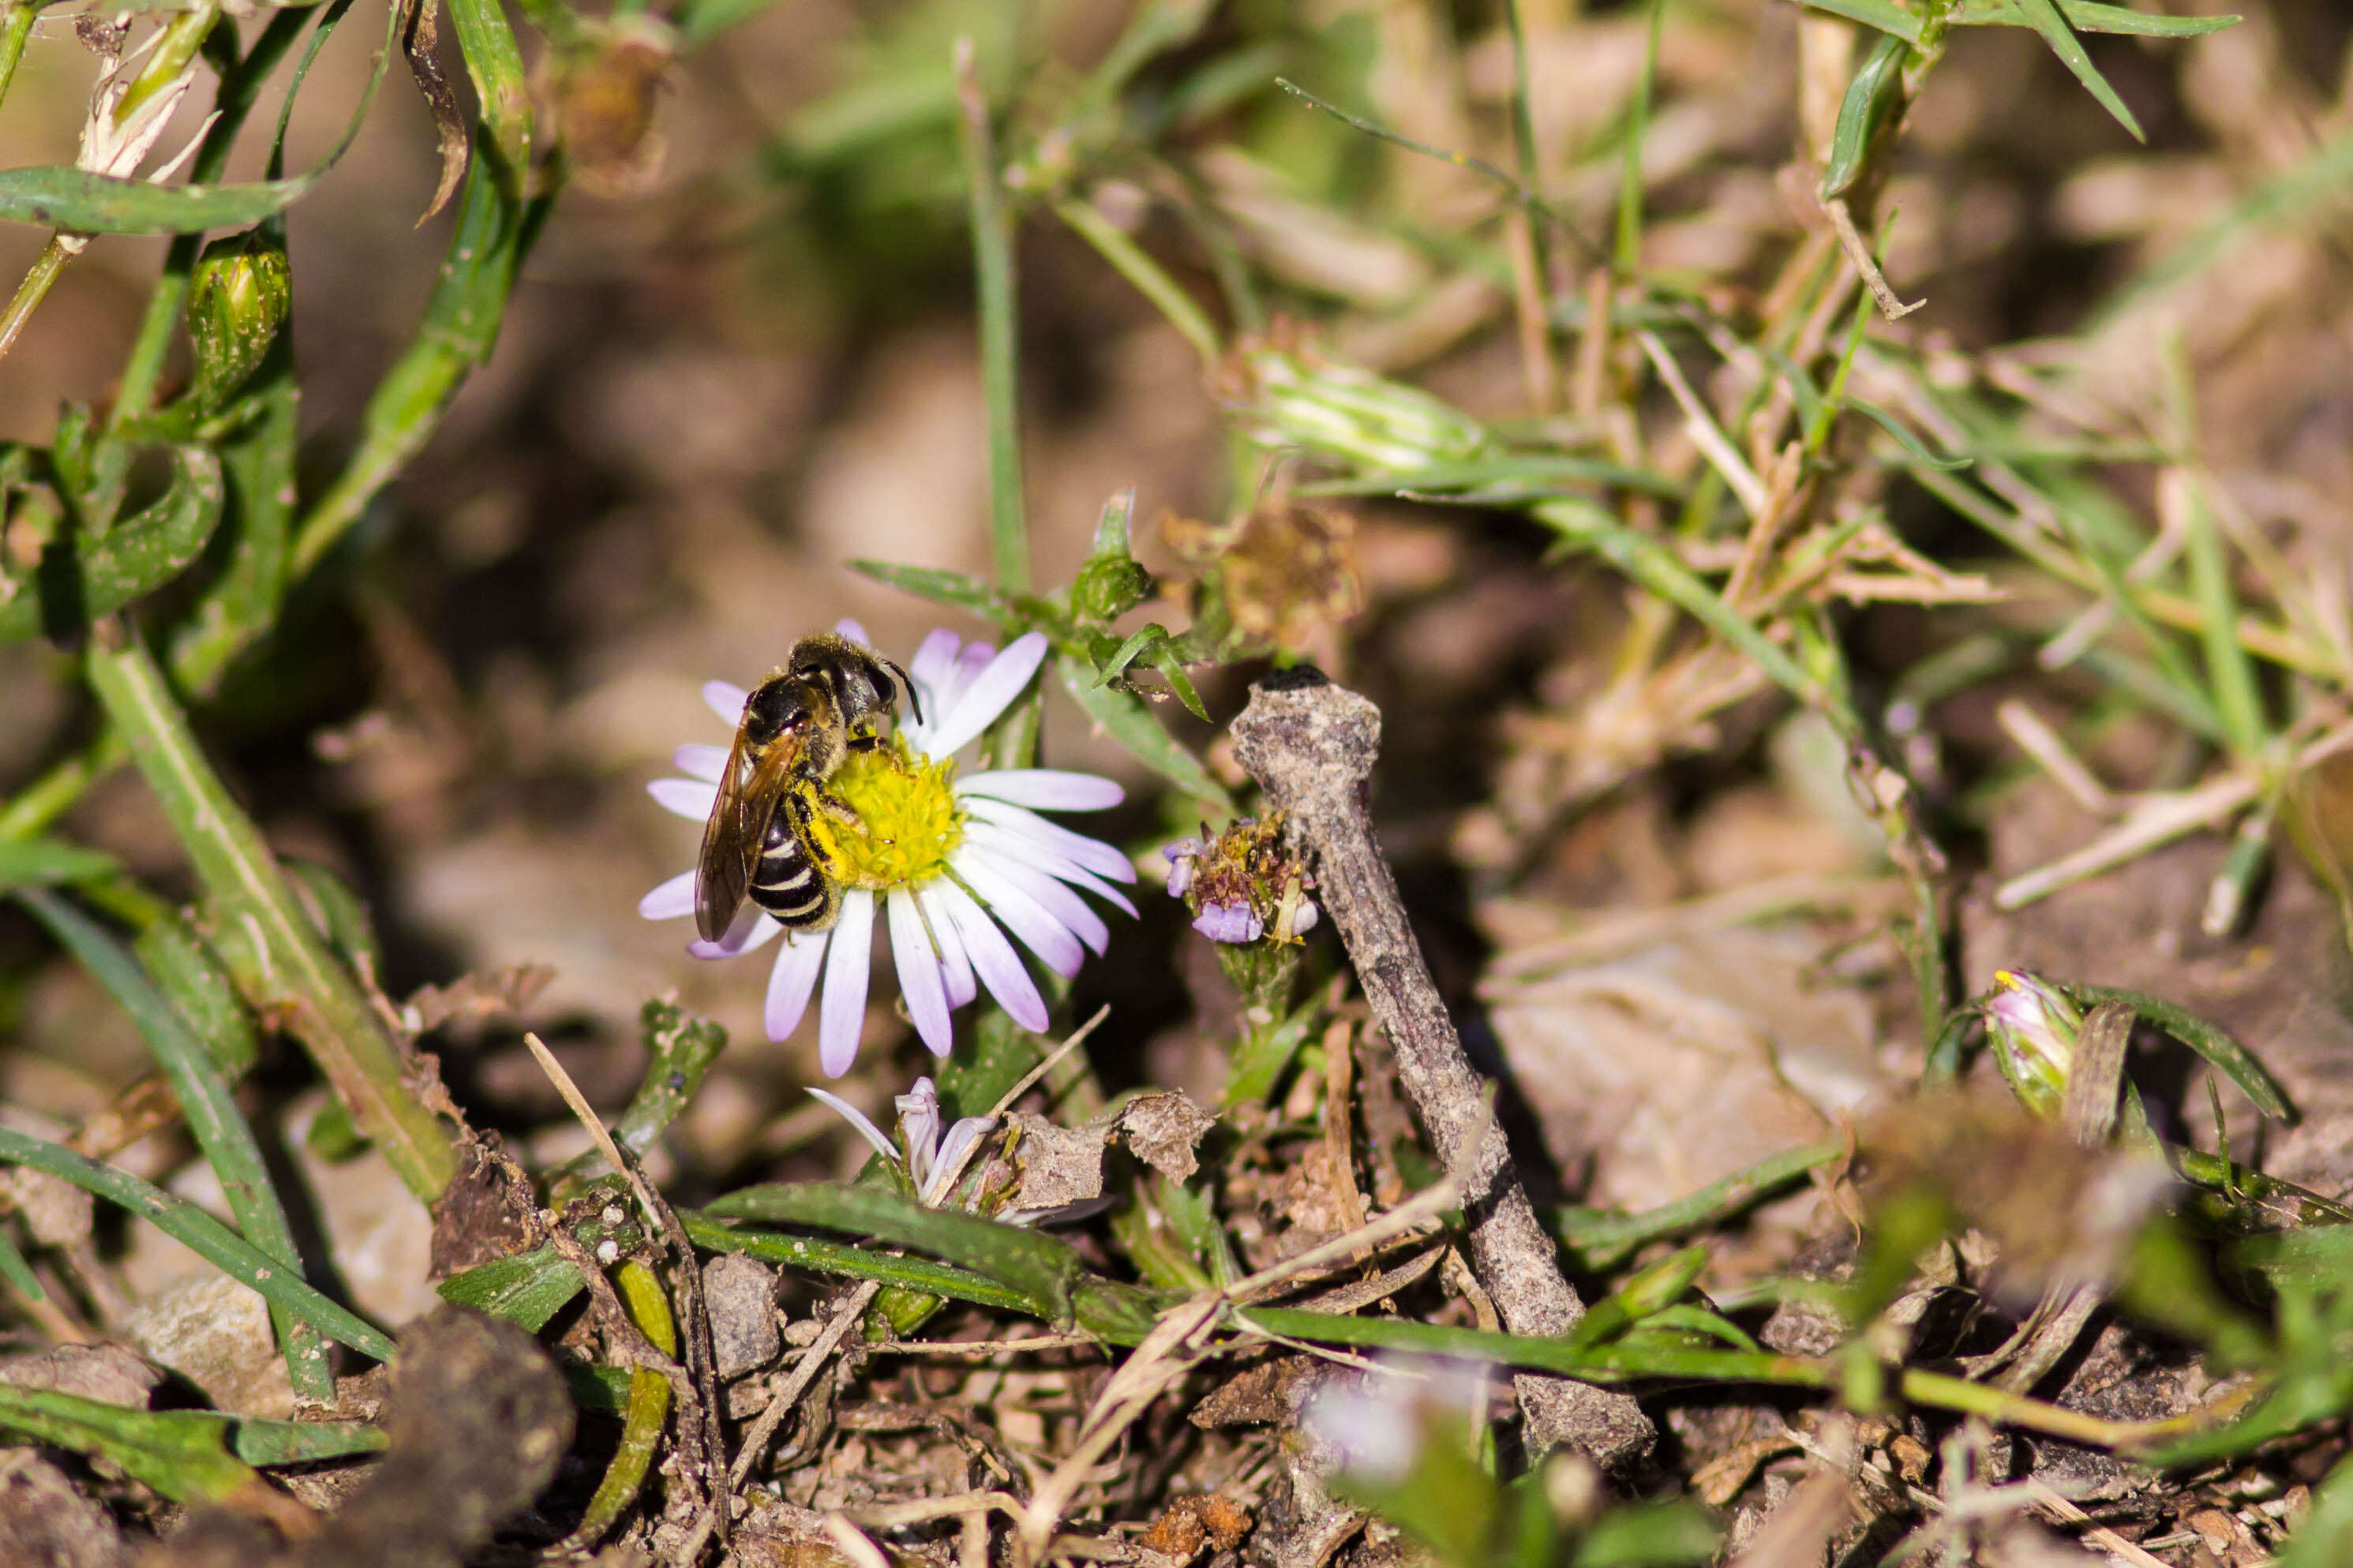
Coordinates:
column 1310, row 745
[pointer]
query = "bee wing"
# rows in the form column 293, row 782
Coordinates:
column 731, row 839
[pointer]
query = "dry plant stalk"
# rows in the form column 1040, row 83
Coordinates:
column 1311, row 745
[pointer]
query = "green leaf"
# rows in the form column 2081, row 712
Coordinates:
column 1648, row 1535
column 79, row 202
column 51, row 862
column 1128, row 719
column 182, row 1454
column 185, row 1223
column 210, row 1109
column 1602, row 1240
column 942, row 586
column 188, row 972
column 1040, row 1269
column 2043, row 16
column 526, row 1289
column 2087, row 16
column 82, row 577
column 2208, row 1040
column 1872, row 101
column 1526, row 475
column 853, row 1262
column 1880, row 14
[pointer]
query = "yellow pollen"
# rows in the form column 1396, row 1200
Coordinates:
column 907, row 806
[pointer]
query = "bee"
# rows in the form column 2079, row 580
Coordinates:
column 798, row 727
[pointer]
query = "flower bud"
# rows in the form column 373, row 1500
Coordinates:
column 1241, row 884
column 1109, row 586
column 2033, row 1027
column 237, row 303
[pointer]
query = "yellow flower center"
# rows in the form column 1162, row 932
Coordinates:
column 906, row 804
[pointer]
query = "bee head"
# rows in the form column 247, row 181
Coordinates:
column 780, row 706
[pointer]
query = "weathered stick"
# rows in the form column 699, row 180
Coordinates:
column 1310, row 745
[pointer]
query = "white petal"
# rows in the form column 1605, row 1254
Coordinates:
column 857, row 1118
column 1095, row 855
column 1067, row 910
column 993, row 958
column 689, row 798
column 751, row 928
column 708, row 764
column 920, row 981
column 991, row 692
column 671, row 900
column 1026, row 851
column 727, row 699
column 1022, row 915
column 853, row 630
column 1046, row 789
column 956, row 969
column 792, row 981
column 930, row 672
column 841, row 1015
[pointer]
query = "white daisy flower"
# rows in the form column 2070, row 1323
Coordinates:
column 950, row 860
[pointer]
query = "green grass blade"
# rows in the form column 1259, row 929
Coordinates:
column 2045, row 17
column 210, row 1240
column 2087, row 16
column 182, row 1454
column 290, row 973
column 1602, row 1239
column 494, row 63
column 1637, row 131
column 853, row 1263
column 210, row 1110
column 1037, row 1266
column 2210, row 1040
column 526, row 1289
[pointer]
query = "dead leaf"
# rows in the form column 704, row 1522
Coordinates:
column 420, row 44
column 503, row 991
column 1163, row 1130
column 1059, row 1165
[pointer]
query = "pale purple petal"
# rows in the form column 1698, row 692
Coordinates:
column 852, row 630
column 1026, row 851
column 751, row 928
column 689, row 798
column 1235, row 923
column 798, row 963
column 1067, row 910
column 919, row 1128
column 1303, row 916
column 1044, row 789
column 727, row 699
column 938, row 1182
column 920, row 979
column 993, row 959
column 1095, row 855
column 933, row 663
column 1022, row 915
column 708, row 764
column 841, row 1015
column 991, row 692
column 858, row 1119
column 956, row 969
column 671, row 900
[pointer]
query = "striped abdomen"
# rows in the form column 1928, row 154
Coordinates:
column 786, row 882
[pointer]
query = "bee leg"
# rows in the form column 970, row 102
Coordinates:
column 843, row 812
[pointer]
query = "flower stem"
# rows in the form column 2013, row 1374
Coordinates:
column 285, row 967
column 992, row 251
column 33, row 291
column 15, row 26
